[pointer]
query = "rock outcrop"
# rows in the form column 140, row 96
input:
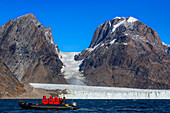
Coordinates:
column 9, row 85
column 166, row 48
column 27, row 48
column 124, row 52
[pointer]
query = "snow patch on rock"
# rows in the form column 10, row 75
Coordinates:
column 125, row 43
column 102, row 45
column 117, row 25
column 166, row 47
column 165, row 44
column 125, row 21
column 57, row 50
column 48, row 36
column 132, row 19
column 91, row 49
column 117, row 17
column 113, row 41
column 138, row 37
column 110, row 24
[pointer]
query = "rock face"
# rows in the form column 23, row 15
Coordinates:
column 28, row 50
column 124, row 52
column 166, row 48
column 9, row 85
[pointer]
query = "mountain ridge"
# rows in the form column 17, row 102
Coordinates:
column 123, row 52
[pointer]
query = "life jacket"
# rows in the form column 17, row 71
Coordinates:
column 60, row 99
column 45, row 100
column 56, row 101
column 64, row 100
column 51, row 100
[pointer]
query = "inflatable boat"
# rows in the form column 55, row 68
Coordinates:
column 28, row 105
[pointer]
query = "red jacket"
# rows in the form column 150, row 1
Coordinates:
column 60, row 99
column 45, row 100
column 56, row 101
column 51, row 100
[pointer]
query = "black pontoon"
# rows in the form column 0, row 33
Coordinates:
column 28, row 105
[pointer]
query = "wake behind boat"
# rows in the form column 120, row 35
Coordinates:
column 37, row 106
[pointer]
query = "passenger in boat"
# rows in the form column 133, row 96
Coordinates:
column 44, row 100
column 64, row 100
column 60, row 99
column 56, row 100
column 51, row 100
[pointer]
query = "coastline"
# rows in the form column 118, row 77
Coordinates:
column 38, row 90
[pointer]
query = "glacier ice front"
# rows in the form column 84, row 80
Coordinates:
column 94, row 92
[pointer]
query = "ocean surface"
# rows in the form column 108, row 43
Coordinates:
column 94, row 106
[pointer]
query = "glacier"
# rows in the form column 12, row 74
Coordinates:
column 95, row 92
column 71, row 68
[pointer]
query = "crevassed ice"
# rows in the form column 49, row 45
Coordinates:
column 95, row 92
column 71, row 68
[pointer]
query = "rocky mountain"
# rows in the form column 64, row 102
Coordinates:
column 9, row 85
column 28, row 50
column 166, row 48
column 124, row 52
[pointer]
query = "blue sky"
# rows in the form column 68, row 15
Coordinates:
column 73, row 22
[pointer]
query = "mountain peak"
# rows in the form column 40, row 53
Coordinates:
column 29, row 18
column 129, row 19
column 119, row 18
column 125, row 49
column 31, row 44
column 29, row 15
column 132, row 19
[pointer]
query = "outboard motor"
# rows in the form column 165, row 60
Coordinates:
column 74, row 104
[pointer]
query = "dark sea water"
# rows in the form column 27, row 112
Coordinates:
column 95, row 106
